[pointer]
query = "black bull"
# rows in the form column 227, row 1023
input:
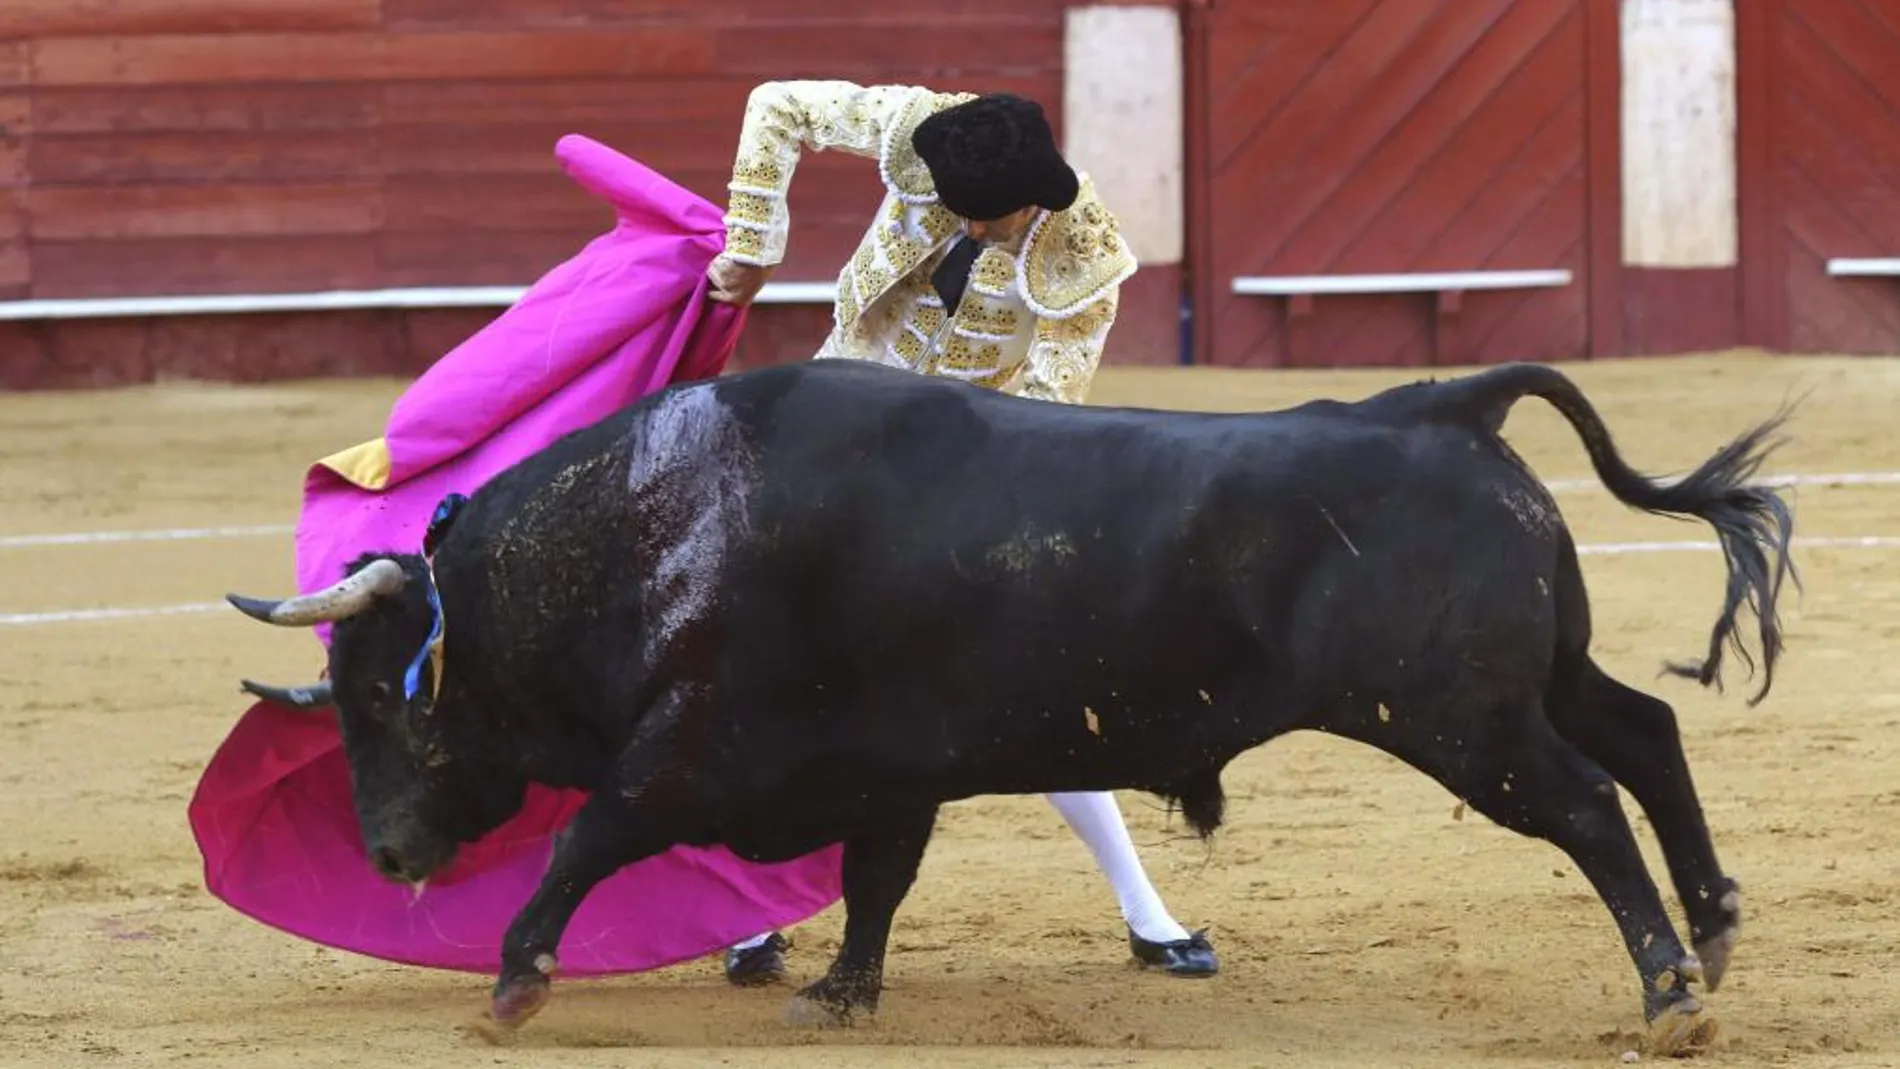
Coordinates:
column 812, row 604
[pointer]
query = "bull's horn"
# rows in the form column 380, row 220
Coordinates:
column 347, row 597
column 315, row 696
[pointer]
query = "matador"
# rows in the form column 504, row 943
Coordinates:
column 991, row 261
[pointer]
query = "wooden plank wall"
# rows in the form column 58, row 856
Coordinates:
column 1820, row 177
column 206, row 146
column 1398, row 137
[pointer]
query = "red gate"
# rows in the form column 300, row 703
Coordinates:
column 1819, row 145
column 1375, row 139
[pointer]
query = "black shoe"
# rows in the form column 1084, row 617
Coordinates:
column 1193, row 956
column 759, row 965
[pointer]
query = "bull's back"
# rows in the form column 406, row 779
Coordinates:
column 956, row 574
column 931, row 465
column 982, row 534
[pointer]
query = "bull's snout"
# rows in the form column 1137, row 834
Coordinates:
column 387, row 863
column 404, row 866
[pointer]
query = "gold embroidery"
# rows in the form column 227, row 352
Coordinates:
column 993, row 273
column 744, row 243
column 908, row 346
column 965, row 355
column 902, row 249
column 939, row 222
column 997, row 380
column 782, row 119
column 1065, row 364
column 1077, row 328
column 846, row 309
column 1074, row 257
column 758, row 171
column 851, row 127
column 1065, row 352
column 1065, row 274
column 987, row 317
column 874, row 280
column 751, row 208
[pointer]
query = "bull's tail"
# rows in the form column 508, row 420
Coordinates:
column 1752, row 522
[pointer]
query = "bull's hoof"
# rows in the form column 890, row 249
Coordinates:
column 1678, row 1025
column 1714, row 953
column 1715, row 950
column 825, row 1005
column 802, row 1012
column 510, row 1009
column 518, row 998
column 1682, row 1030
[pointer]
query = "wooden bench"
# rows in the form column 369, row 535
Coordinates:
column 334, row 300
column 1448, row 286
column 1864, row 268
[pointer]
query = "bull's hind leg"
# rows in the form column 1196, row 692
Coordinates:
column 1517, row 771
column 879, row 867
column 1634, row 737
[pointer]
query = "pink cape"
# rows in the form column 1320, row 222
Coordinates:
column 272, row 814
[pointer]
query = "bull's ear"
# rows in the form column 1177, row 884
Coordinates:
column 315, row 696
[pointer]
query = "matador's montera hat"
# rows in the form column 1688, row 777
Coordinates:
column 994, row 155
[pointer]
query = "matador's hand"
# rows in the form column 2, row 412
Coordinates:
column 734, row 282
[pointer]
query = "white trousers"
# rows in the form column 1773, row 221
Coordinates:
column 1095, row 819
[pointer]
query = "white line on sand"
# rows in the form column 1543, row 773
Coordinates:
column 73, row 615
column 175, row 534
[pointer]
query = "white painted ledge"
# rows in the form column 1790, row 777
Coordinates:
column 336, row 300
column 1407, row 282
column 1851, row 268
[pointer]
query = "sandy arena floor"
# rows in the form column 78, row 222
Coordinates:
column 1358, row 922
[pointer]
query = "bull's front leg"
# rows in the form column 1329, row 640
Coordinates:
column 879, row 867
column 635, row 816
column 605, row 835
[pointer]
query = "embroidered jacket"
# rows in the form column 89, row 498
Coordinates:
column 1037, row 310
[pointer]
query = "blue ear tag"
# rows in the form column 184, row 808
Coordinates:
column 431, row 650
column 445, row 512
column 443, row 518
